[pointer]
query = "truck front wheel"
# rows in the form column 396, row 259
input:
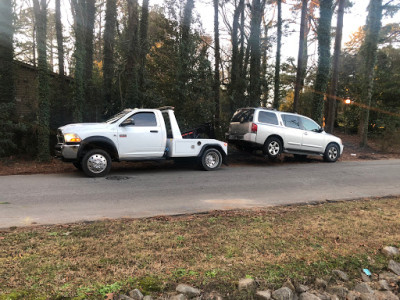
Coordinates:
column 211, row 159
column 96, row 163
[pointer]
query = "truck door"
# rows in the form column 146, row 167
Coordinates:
column 141, row 135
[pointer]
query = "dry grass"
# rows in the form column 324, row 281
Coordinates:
column 211, row 251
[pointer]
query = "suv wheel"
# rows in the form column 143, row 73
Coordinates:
column 211, row 159
column 96, row 163
column 272, row 147
column 332, row 153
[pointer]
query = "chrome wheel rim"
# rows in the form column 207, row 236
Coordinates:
column 97, row 163
column 332, row 153
column 212, row 160
column 273, row 148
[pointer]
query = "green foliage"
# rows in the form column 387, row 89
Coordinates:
column 150, row 284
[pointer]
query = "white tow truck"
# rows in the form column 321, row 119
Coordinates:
column 134, row 135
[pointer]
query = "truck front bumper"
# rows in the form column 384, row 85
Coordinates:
column 67, row 152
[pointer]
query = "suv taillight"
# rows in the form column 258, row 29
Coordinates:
column 253, row 128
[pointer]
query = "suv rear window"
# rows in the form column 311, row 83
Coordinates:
column 267, row 117
column 243, row 115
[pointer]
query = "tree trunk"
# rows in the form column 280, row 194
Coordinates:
column 277, row 79
column 132, row 89
column 79, row 8
column 43, row 114
column 60, row 48
column 88, row 71
column 300, row 62
column 7, row 101
column 330, row 117
column 264, row 65
column 324, row 57
column 255, row 54
column 109, row 42
column 144, row 48
column 368, row 54
column 236, row 61
column 184, row 53
column 217, row 82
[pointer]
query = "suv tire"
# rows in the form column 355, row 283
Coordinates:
column 272, row 147
column 332, row 153
column 96, row 163
column 211, row 159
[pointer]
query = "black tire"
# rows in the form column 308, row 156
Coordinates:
column 77, row 165
column 211, row 159
column 96, row 163
column 332, row 153
column 272, row 148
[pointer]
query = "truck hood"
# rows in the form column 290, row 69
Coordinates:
column 84, row 127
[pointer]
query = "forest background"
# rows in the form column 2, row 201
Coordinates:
column 113, row 54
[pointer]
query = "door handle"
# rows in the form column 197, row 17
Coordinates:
column 305, row 133
column 153, row 131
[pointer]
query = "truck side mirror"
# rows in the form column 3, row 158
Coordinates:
column 128, row 122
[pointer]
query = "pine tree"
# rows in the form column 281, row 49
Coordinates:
column 7, row 104
column 236, row 59
column 217, row 82
column 331, row 94
column 368, row 54
column 143, row 49
column 109, row 43
column 185, row 48
column 79, row 8
column 278, row 57
column 132, row 89
column 300, row 58
column 60, row 48
column 89, row 101
column 43, row 114
column 324, row 57
column 257, row 9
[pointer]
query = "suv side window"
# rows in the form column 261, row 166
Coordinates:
column 291, row 121
column 309, row 125
column 144, row 119
column 243, row 116
column 267, row 117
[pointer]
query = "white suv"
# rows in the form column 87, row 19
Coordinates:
column 275, row 132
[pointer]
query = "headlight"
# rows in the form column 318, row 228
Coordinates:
column 71, row 138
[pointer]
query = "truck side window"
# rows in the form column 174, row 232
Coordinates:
column 144, row 119
column 291, row 121
column 267, row 117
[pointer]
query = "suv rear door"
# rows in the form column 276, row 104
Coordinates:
column 241, row 123
column 313, row 138
column 293, row 132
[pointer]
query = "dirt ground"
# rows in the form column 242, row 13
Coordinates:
column 16, row 165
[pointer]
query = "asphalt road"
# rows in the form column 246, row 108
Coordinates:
column 71, row 197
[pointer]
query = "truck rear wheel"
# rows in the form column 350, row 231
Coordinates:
column 211, row 159
column 96, row 163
